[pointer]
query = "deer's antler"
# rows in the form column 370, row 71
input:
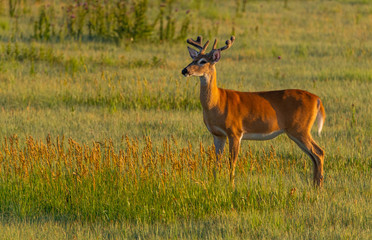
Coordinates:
column 214, row 44
column 228, row 44
column 198, row 44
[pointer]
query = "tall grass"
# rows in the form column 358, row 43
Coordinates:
column 73, row 181
column 109, row 21
column 64, row 181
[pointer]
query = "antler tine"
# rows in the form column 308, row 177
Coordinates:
column 196, row 43
column 199, row 40
column 228, row 43
column 214, row 44
column 205, row 47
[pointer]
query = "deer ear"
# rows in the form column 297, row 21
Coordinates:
column 216, row 56
column 193, row 53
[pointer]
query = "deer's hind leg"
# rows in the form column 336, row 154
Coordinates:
column 316, row 154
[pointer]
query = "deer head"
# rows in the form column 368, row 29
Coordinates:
column 203, row 62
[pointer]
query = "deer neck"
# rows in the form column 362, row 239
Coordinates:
column 209, row 93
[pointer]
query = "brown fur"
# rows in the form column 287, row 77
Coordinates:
column 262, row 115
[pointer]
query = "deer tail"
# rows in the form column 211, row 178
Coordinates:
column 320, row 117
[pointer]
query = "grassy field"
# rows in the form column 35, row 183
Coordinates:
column 103, row 138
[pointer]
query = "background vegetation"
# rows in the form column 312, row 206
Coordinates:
column 103, row 138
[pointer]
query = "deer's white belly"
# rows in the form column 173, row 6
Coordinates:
column 261, row 136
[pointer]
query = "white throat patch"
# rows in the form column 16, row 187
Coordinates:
column 204, row 80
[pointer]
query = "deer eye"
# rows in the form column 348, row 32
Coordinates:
column 202, row 61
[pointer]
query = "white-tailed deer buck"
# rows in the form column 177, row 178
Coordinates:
column 254, row 115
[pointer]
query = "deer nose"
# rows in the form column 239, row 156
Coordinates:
column 184, row 71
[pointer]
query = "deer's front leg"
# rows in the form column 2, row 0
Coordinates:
column 234, row 145
column 219, row 144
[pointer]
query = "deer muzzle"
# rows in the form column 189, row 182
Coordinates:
column 185, row 72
